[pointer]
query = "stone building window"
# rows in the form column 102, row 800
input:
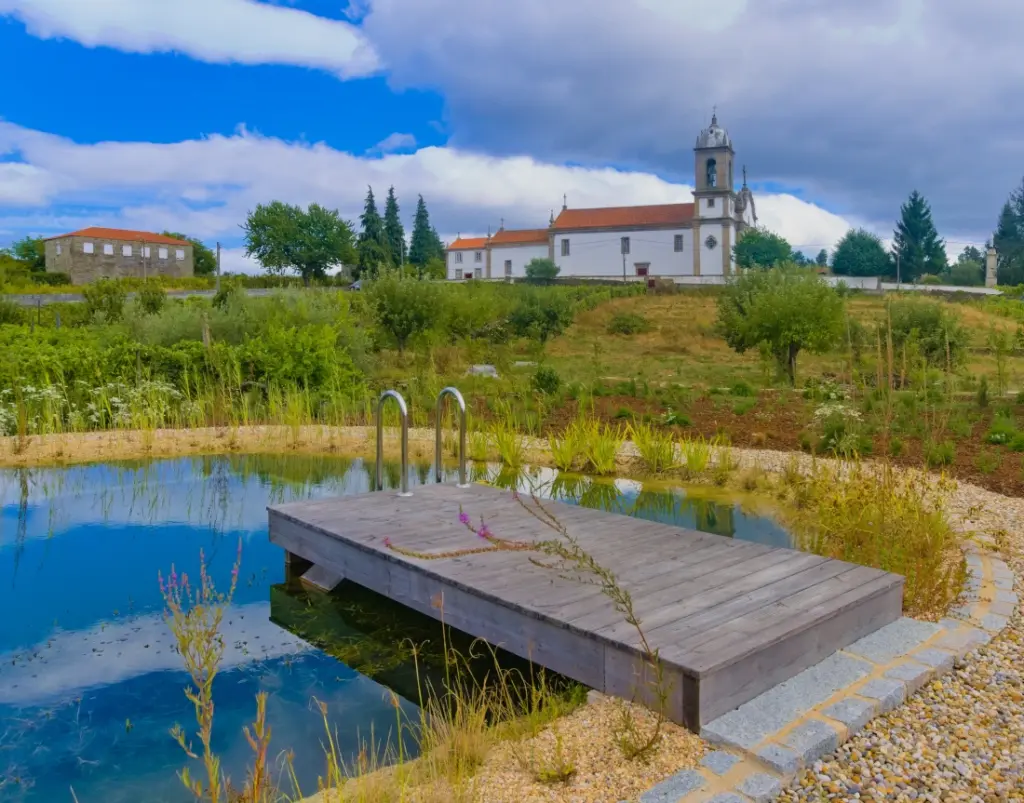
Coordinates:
column 162, row 253
column 108, row 249
column 565, row 248
column 145, row 251
column 624, row 245
column 179, row 254
column 58, row 249
column 677, row 244
column 86, row 248
column 126, row 250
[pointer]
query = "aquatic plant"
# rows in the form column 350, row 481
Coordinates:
column 568, row 449
column 656, row 446
column 601, row 446
column 696, row 455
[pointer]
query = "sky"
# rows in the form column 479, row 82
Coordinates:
column 154, row 115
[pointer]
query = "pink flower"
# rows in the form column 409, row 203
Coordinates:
column 387, row 542
column 485, row 532
column 464, row 517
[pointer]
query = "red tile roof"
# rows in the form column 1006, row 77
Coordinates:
column 520, row 237
column 468, row 244
column 100, row 233
column 614, row 217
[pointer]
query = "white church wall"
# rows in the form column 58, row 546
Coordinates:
column 519, row 255
column 457, row 270
column 596, row 254
column 711, row 258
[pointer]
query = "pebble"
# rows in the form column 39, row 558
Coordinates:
column 960, row 738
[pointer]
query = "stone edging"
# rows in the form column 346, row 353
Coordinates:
column 766, row 743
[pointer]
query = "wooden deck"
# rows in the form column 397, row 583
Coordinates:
column 730, row 618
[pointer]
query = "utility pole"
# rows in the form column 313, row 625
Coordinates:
column 217, row 283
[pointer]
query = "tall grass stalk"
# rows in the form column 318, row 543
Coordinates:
column 656, row 446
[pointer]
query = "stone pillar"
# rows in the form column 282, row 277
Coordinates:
column 990, row 268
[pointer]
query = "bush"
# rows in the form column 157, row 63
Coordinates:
column 546, row 381
column 628, row 323
column 542, row 271
column 929, row 279
column 105, row 298
column 933, row 326
column 404, row 308
column 152, row 299
column 541, row 315
column 1002, row 431
column 51, row 279
column 11, row 312
column 938, row 454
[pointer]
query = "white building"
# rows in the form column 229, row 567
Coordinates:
column 670, row 241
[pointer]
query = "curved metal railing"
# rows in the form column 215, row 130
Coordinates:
column 403, row 411
column 461, row 402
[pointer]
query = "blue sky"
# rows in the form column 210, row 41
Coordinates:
column 152, row 115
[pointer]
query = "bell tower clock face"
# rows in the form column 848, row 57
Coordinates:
column 711, row 242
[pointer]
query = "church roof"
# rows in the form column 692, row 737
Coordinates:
column 714, row 136
column 618, row 217
column 520, row 237
column 468, row 244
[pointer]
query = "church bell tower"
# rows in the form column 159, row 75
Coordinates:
column 714, row 202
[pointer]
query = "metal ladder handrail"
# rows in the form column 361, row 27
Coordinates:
column 461, row 402
column 403, row 411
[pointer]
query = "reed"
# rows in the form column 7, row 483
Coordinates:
column 696, row 455
column 656, row 446
column 601, row 447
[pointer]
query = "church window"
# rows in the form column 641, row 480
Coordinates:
column 458, row 256
column 565, row 247
column 624, row 246
column 712, row 173
column 508, row 267
column 478, row 256
column 711, row 203
column 678, row 243
column 711, row 242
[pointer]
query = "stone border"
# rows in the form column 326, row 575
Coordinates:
column 764, row 744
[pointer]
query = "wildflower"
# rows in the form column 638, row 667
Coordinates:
column 464, row 518
column 485, row 532
column 387, row 542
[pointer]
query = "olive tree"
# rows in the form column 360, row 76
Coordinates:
column 784, row 310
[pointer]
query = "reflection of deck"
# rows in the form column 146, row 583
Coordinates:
column 730, row 618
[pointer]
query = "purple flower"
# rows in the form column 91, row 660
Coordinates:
column 485, row 532
column 387, row 542
column 463, row 517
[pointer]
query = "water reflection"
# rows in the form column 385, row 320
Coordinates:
column 89, row 678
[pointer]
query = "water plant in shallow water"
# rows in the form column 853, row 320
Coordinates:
column 696, row 454
column 567, row 449
column 656, row 446
column 602, row 443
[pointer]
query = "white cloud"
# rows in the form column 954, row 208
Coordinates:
column 395, row 142
column 217, row 31
column 465, row 192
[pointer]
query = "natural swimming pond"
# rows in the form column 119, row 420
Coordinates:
column 90, row 682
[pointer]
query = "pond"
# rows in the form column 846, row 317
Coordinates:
column 90, row 682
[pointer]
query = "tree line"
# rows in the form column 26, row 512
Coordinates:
column 917, row 252
column 283, row 237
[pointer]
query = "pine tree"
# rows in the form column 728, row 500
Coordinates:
column 1008, row 240
column 394, row 232
column 372, row 245
column 822, row 258
column 425, row 243
column 916, row 243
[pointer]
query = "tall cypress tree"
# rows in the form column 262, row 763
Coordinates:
column 425, row 243
column 372, row 244
column 394, row 232
column 916, row 243
column 1008, row 239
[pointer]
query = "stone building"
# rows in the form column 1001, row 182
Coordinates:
column 98, row 253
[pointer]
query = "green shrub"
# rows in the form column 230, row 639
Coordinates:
column 105, row 298
column 540, row 314
column 152, row 298
column 934, row 327
column 541, row 270
column 982, row 396
column 742, row 389
column 47, row 279
column 1002, row 431
column 896, row 447
column 546, row 380
column 11, row 312
column 628, row 323
column 938, row 454
column 404, row 308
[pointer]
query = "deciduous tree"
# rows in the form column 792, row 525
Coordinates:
column 542, row 270
column 760, row 248
column 783, row 310
column 861, row 253
column 283, row 237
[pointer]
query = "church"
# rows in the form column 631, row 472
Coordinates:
column 676, row 242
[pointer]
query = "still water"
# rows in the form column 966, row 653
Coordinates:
column 90, row 682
